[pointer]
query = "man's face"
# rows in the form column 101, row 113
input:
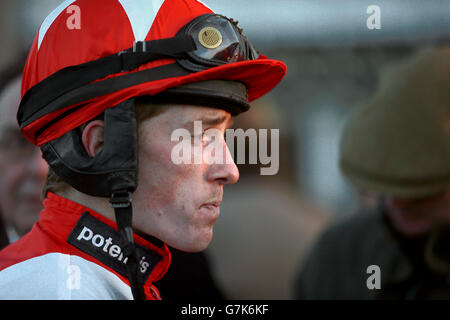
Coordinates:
column 179, row 203
column 22, row 169
column 416, row 217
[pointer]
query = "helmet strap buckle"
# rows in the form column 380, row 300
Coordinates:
column 120, row 199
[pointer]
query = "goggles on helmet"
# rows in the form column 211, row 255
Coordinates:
column 218, row 40
column 208, row 41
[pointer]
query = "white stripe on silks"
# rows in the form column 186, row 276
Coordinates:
column 205, row 5
column 57, row 276
column 141, row 14
column 50, row 18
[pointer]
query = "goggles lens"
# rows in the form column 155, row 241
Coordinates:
column 218, row 41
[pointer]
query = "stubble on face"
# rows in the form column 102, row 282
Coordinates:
column 170, row 197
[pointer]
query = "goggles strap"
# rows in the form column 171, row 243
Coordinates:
column 143, row 52
column 73, row 77
column 96, row 89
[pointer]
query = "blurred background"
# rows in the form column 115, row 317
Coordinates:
column 334, row 61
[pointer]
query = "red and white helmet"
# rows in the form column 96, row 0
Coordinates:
column 57, row 94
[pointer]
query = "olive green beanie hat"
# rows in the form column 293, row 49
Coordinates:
column 398, row 144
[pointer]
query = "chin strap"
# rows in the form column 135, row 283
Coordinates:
column 123, row 210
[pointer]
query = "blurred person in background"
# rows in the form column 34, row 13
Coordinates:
column 4, row 241
column 22, row 169
column 270, row 225
column 398, row 147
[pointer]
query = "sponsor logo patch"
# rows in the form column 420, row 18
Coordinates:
column 104, row 243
